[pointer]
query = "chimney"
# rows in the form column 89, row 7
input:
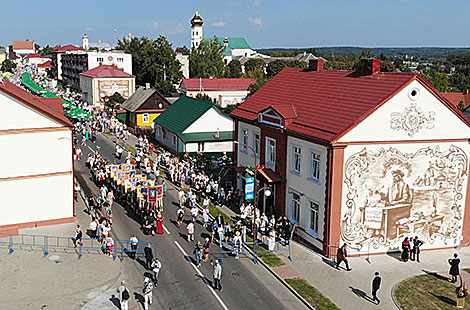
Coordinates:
column 370, row 66
column 147, row 85
column 316, row 64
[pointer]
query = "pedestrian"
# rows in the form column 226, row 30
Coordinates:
column 147, row 290
column 405, row 246
column 148, row 255
column 454, row 267
column 207, row 249
column 134, row 243
column 160, row 219
column 416, row 249
column 198, row 253
column 156, row 266
column 180, row 215
column 205, row 216
column 272, row 240
column 217, row 275
column 78, row 236
column 194, row 213
column 124, row 295
column 109, row 245
column 93, row 227
column 190, row 229
column 376, row 286
column 341, row 255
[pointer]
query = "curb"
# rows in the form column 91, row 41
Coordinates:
column 392, row 295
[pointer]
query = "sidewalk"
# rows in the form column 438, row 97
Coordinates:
column 59, row 280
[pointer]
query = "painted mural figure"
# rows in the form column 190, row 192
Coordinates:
column 398, row 192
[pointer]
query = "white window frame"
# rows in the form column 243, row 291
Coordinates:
column 268, row 159
column 256, row 142
column 315, row 229
column 315, row 175
column 295, row 214
column 261, row 120
column 243, row 148
column 296, row 157
column 145, row 118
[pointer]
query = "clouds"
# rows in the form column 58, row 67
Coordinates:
column 89, row 29
column 166, row 30
column 218, row 24
column 256, row 22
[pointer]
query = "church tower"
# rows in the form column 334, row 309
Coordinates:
column 85, row 44
column 196, row 30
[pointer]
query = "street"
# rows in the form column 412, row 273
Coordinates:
column 181, row 285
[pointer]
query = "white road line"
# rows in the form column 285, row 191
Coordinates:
column 166, row 230
column 91, row 149
column 201, row 275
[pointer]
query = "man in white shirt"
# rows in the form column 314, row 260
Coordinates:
column 194, row 214
column 134, row 244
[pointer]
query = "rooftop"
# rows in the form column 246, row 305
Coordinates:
column 233, row 43
column 107, row 71
column 66, row 48
column 217, row 84
column 23, row 45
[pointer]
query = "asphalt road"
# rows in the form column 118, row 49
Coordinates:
column 181, row 285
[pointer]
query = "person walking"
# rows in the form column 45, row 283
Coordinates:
column 78, row 236
column 194, row 213
column 147, row 290
column 198, row 253
column 134, row 243
column 148, row 255
column 207, row 249
column 416, row 249
column 454, row 267
column 180, row 215
column 376, row 286
column 217, row 275
column 190, row 229
column 124, row 295
column 156, row 266
column 341, row 255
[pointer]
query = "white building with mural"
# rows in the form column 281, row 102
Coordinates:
column 364, row 158
column 102, row 82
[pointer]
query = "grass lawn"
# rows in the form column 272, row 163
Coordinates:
column 311, row 294
column 426, row 292
column 109, row 134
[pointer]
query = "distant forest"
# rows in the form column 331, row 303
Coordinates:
column 431, row 52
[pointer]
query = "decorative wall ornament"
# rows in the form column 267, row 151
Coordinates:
column 412, row 120
column 391, row 195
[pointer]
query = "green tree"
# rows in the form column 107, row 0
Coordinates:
column 8, row 66
column 184, row 50
column 461, row 106
column 46, row 50
column 167, row 67
column 204, row 97
column 115, row 99
column 387, row 66
column 207, row 60
column 439, row 80
column 254, row 64
column 261, row 79
column 235, row 69
column 366, row 53
column 274, row 67
column 165, row 88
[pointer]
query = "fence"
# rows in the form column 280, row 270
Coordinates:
column 45, row 242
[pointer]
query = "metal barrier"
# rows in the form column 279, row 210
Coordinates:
column 252, row 248
column 46, row 242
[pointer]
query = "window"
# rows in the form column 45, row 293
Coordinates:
column 315, row 166
column 174, row 140
column 295, row 207
column 145, row 118
column 314, row 214
column 196, row 32
column 200, row 146
column 296, row 156
column 270, row 150
column 159, row 131
column 244, row 139
column 120, row 59
column 256, row 143
column 99, row 59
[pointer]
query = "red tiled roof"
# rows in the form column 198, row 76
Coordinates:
column 47, row 64
column 106, row 71
column 35, row 55
column 66, row 48
column 50, row 107
column 287, row 111
column 23, row 45
column 456, row 97
column 217, row 84
column 326, row 102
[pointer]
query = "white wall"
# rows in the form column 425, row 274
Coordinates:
column 37, row 60
column 368, row 170
column 247, row 157
column 212, row 120
column 17, row 115
column 184, row 61
column 35, row 153
column 126, row 64
column 216, row 94
column 306, row 186
column 36, row 199
column 377, row 127
column 242, row 52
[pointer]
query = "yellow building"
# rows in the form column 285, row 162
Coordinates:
column 143, row 107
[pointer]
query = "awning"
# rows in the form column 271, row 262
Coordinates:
column 269, row 175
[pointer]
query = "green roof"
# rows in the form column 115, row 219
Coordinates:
column 233, row 43
column 182, row 113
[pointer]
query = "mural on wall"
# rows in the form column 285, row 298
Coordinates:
column 391, row 195
column 107, row 88
column 412, row 120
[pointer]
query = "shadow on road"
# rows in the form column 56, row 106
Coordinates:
column 139, row 298
column 395, row 253
column 435, row 274
column 445, row 299
column 115, row 301
column 361, row 293
column 329, row 262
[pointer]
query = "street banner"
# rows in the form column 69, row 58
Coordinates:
column 152, row 193
column 250, row 188
column 132, row 173
column 159, row 191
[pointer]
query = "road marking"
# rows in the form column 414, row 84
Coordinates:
column 201, row 275
column 91, row 149
column 166, row 230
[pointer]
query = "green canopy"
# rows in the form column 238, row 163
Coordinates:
column 78, row 113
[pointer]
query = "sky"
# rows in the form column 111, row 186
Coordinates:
column 263, row 23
